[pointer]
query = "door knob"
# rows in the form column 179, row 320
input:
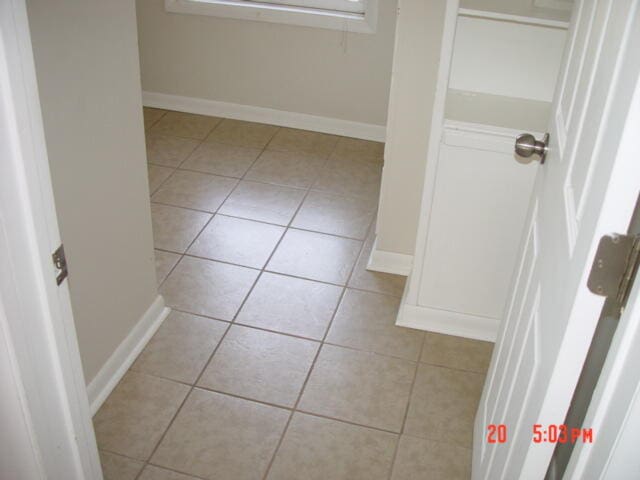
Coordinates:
column 527, row 146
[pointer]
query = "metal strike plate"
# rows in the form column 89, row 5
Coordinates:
column 60, row 262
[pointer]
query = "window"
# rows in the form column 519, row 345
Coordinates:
column 352, row 6
column 348, row 15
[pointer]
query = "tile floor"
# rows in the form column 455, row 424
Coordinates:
column 280, row 359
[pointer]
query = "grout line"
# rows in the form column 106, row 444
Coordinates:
column 406, row 409
column 274, row 272
column 342, row 420
column 226, row 331
column 216, row 347
column 271, row 272
column 322, row 342
column 198, row 142
column 156, row 121
column 216, row 212
column 152, row 193
column 262, row 151
column 413, row 383
column 308, row 339
column 199, row 257
column 186, row 397
column 175, row 471
column 315, row 359
column 146, row 463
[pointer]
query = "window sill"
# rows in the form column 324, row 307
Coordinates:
column 307, row 17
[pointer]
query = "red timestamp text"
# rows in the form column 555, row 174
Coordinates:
column 497, row 433
column 561, row 434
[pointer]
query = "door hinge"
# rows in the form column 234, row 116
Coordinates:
column 60, row 262
column 614, row 267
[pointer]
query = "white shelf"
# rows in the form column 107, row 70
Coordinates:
column 497, row 111
column 518, row 11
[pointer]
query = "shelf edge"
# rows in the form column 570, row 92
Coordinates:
column 507, row 17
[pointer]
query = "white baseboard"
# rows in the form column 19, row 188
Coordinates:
column 389, row 262
column 449, row 323
column 122, row 358
column 250, row 113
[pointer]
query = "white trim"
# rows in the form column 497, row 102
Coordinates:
column 389, row 262
column 123, row 356
column 614, row 409
column 40, row 326
column 449, row 323
column 307, row 17
column 433, row 149
column 250, row 113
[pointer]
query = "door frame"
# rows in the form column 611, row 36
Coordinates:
column 614, row 409
column 37, row 333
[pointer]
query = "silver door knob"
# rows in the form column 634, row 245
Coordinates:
column 527, row 146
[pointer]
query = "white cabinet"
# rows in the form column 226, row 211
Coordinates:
column 497, row 76
column 479, row 205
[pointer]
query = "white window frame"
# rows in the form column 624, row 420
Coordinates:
column 265, row 12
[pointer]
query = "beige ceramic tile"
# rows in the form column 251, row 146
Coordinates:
column 418, row 459
column 375, row 281
column 151, row 116
column 315, row 256
column 457, row 352
column 358, row 178
column 366, row 321
column 238, row 241
column 186, row 125
column 217, row 437
column 175, row 228
column 136, row 414
column 319, row 449
column 360, row 387
column 265, row 203
column 260, row 365
column 157, row 176
column 152, row 472
column 443, row 405
column 195, row 190
column 207, row 288
column 337, row 215
column 243, row 134
column 290, row 305
column 286, row 168
column 181, row 347
column 165, row 261
column 221, row 159
column 169, row 151
column 303, row 141
column 356, row 149
column 117, row 467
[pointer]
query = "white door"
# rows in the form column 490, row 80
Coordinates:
column 586, row 188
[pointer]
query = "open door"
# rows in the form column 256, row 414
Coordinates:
column 586, row 188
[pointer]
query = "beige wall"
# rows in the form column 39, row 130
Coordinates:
column 88, row 78
column 415, row 67
column 285, row 67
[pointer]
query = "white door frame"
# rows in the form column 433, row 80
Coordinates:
column 614, row 410
column 52, row 434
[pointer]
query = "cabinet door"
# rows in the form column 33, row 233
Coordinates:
column 479, row 207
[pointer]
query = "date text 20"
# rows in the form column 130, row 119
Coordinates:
column 496, row 433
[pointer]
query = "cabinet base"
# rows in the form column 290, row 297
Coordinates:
column 449, row 323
